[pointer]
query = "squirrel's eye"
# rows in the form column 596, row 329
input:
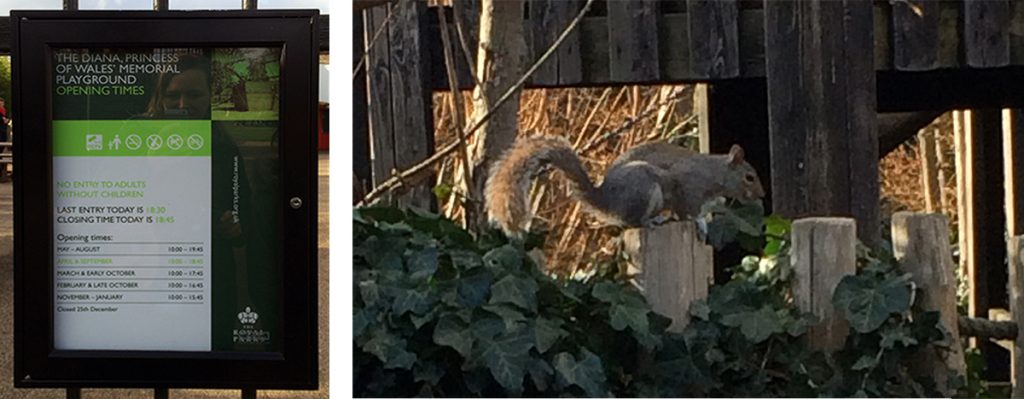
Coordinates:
column 750, row 178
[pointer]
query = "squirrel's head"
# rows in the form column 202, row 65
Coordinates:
column 745, row 186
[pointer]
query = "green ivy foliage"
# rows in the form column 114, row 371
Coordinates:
column 441, row 313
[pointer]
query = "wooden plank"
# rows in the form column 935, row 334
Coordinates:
column 932, row 188
column 921, row 244
column 360, row 113
column 987, row 33
column 673, row 52
column 411, row 101
column 378, row 76
column 594, row 48
column 883, row 29
column 824, row 251
column 1016, row 258
column 1017, row 33
column 786, row 122
column 824, row 143
column 950, row 42
column 542, row 28
column 633, row 41
column 858, row 115
column 672, row 265
column 714, row 38
column 467, row 14
column 751, row 47
column 570, row 64
column 915, row 35
column 1013, row 170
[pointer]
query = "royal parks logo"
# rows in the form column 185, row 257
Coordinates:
column 249, row 333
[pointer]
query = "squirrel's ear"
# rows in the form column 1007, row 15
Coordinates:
column 736, row 154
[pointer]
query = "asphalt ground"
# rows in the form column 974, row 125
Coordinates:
column 7, row 390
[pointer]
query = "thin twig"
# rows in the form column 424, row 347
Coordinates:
column 396, row 181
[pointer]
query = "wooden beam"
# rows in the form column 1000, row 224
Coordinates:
column 360, row 113
column 633, row 40
column 824, row 143
column 915, row 35
column 542, row 29
column 929, row 171
column 714, row 38
column 410, row 96
column 1013, row 169
column 986, row 36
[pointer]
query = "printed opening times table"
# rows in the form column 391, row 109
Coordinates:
column 99, row 274
column 132, row 271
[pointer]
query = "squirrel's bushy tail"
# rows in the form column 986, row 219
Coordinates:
column 507, row 186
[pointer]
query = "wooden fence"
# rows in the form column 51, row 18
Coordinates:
column 675, row 270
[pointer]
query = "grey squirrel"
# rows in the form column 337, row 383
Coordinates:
column 638, row 187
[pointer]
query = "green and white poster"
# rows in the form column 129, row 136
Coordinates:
column 166, row 185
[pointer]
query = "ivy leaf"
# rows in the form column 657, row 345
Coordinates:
column 607, row 291
column 442, row 192
column 487, row 328
column 867, row 303
column 540, row 373
column 756, row 326
column 429, row 372
column 518, row 291
column 587, row 373
column 700, row 309
column 390, row 350
column 890, row 336
column 548, row 332
column 410, row 301
column 505, row 257
column 465, row 260
column 360, row 320
column 510, row 315
column 474, row 286
column 370, row 292
column 423, row 264
column 622, row 316
column 507, row 358
column 450, row 332
column 776, row 225
column 418, row 321
column 865, row 362
column 382, row 214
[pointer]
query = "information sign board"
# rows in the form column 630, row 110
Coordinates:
column 168, row 163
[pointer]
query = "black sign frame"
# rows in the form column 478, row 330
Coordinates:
column 36, row 362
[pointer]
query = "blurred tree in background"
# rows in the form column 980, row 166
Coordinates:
column 5, row 81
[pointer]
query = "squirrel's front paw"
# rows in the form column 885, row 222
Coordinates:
column 660, row 219
column 702, row 229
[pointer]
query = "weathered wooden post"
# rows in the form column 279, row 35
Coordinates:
column 921, row 244
column 929, row 171
column 673, row 266
column 824, row 251
column 1016, row 257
